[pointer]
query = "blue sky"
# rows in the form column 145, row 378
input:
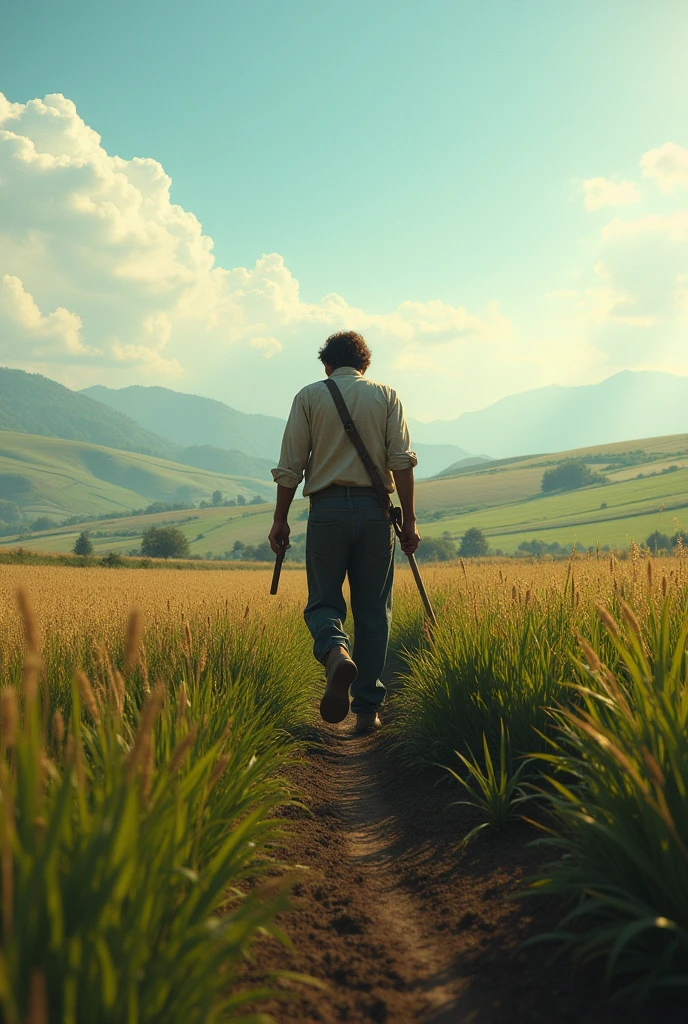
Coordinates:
column 391, row 154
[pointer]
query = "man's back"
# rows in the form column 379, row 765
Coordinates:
column 315, row 440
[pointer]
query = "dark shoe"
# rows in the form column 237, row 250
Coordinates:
column 341, row 673
column 368, row 722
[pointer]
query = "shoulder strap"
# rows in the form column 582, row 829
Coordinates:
column 357, row 441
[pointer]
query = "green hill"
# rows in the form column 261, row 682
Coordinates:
column 646, row 488
column 33, row 404
column 58, row 478
column 190, row 420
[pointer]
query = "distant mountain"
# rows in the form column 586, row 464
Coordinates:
column 433, row 458
column 32, row 404
column 628, row 405
column 190, row 420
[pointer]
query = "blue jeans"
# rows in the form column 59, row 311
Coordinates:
column 348, row 533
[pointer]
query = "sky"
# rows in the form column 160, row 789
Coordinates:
column 495, row 194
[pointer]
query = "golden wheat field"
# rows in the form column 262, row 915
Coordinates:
column 69, row 601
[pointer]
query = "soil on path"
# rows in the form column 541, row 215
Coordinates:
column 401, row 925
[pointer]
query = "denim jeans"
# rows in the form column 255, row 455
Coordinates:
column 348, row 533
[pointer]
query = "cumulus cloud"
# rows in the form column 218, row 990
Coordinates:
column 102, row 271
column 667, row 165
column 104, row 279
column 29, row 333
column 269, row 347
column 598, row 192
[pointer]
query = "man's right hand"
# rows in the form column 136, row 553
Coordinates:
column 410, row 538
column 279, row 537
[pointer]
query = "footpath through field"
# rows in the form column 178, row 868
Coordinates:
column 402, row 926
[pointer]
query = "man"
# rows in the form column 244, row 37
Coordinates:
column 348, row 530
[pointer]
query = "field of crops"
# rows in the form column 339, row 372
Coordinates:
column 645, row 489
column 148, row 762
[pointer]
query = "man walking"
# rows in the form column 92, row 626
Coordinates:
column 348, row 530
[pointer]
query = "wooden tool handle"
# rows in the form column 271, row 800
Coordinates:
column 276, row 574
column 421, row 589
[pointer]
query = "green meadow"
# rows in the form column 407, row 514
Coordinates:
column 54, row 477
column 646, row 488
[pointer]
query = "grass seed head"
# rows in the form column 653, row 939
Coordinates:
column 87, row 696
column 9, row 715
column 132, row 652
column 608, row 621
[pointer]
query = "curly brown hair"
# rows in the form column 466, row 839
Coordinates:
column 346, row 348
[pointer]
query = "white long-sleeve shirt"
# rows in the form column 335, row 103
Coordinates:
column 315, row 443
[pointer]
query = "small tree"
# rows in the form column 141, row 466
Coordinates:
column 473, row 543
column 217, row 498
column 241, row 500
column 83, row 544
column 658, row 542
column 164, row 542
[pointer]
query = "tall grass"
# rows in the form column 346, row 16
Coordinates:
column 504, row 650
column 619, row 803
column 137, row 825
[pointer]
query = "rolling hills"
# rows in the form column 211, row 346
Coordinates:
column 33, row 404
column 646, row 489
column 58, row 478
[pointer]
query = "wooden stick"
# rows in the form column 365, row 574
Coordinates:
column 421, row 589
column 276, row 573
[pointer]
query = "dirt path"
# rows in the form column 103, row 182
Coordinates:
column 401, row 926
column 373, row 837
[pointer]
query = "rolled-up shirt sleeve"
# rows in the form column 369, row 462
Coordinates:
column 397, row 437
column 296, row 447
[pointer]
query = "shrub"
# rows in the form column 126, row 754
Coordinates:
column 436, row 549
column 569, row 475
column 42, row 523
column 164, row 542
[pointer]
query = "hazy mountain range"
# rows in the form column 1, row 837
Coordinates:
column 628, row 405
column 194, row 420
column 32, row 404
column 205, row 433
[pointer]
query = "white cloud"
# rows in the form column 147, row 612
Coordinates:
column 668, row 165
column 673, row 226
column 134, row 289
column 30, row 334
column 104, row 279
column 268, row 347
column 598, row 192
